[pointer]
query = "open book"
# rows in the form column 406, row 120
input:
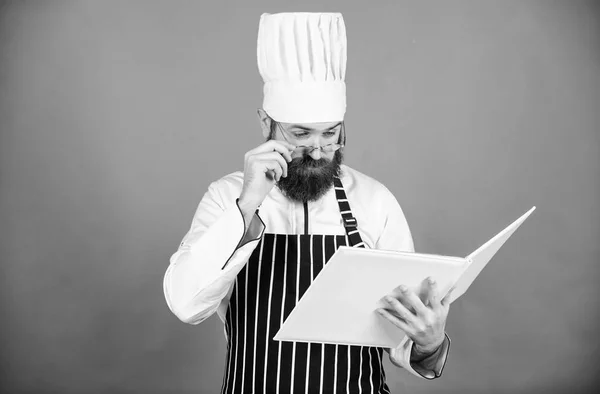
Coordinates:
column 340, row 305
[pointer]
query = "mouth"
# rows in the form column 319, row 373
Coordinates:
column 309, row 162
column 312, row 168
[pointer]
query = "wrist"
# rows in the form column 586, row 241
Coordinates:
column 247, row 209
column 247, row 205
column 419, row 353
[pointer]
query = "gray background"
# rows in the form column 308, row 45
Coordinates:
column 115, row 117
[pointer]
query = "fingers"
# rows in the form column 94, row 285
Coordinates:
column 274, row 157
column 398, row 309
column 424, row 292
column 446, row 300
column 285, row 151
column 394, row 320
column 273, row 170
column 287, row 145
column 410, row 300
column 270, row 151
column 266, row 162
column 262, row 166
column 430, row 293
column 283, row 147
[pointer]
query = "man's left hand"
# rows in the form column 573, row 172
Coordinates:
column 422, row 317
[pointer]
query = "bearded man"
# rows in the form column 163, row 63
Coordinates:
column 260, row 237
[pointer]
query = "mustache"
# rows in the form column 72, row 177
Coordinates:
column 308, row 162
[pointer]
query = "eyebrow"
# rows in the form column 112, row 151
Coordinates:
column 297, row 126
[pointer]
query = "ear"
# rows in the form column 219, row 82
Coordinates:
column 342, row 139
column 265, row 122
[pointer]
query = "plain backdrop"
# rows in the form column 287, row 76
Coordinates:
column 115, row 116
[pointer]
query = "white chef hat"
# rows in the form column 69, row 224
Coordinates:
column 302, row 60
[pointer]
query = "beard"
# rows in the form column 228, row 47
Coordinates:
column 309, row 179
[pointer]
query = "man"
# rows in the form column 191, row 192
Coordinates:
column 260, row 237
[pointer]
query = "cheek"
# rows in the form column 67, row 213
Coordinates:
column 297, row 155
column 329, row 155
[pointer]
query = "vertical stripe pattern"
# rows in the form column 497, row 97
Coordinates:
column 279, row 271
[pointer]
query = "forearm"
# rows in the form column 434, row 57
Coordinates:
column 247, row 209
column 203, row 269
column 417, row 355
column 430, row 367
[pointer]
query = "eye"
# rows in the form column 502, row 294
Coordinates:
column 300, row 134
column 329, row 133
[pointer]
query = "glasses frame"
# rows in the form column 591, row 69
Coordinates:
column 309, row 149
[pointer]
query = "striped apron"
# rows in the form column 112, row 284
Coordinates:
column 266, row 290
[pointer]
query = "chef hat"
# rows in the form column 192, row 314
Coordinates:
column 302, row 60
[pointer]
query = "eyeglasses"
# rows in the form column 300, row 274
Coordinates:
column 309, row 149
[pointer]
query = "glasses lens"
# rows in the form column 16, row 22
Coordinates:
column 331, row 148
column 326, row 149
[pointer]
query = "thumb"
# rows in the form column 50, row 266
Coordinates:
column 446, row 300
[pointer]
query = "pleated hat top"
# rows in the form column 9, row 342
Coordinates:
column 302, row 61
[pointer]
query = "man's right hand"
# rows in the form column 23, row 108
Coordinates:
column 263, row 166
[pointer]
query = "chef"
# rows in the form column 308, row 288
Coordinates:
column 260, row 237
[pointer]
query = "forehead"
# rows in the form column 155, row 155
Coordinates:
column 310, row 126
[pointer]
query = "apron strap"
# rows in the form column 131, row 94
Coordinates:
column 349, row 221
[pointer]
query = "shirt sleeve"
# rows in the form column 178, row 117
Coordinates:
column 396, row 235
column 429, row 368
column 214, row 250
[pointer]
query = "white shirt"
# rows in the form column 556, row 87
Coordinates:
column 196, row 285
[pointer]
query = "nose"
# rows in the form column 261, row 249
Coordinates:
column 316, row 154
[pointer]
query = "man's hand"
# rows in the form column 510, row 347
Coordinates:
column 422, row 317
column 263, row 166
